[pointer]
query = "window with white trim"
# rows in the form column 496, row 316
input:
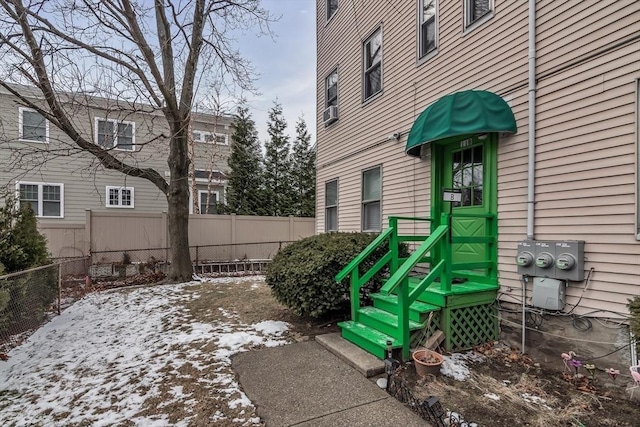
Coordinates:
column 46, row 200
column 371, row 195
column 331, row 85
column 207, row 201
column 116, row 134
column 332, row 7
column 32, row 126
column 372, row 72
column 477, row 11
column 119, row 197
column 331, row 206
column 428, row 32
column 210, row 137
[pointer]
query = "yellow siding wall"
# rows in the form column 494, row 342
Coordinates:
column 587, row 69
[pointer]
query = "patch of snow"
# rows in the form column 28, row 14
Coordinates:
column 101, row 360
column 455, row 366
column 492, row 396
column 272, row 327
column 537, row 400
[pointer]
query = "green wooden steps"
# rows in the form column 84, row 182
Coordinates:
column 383, row 321
column 461, row 294
column 378, row 324
column 373, row 341
column 418, row 311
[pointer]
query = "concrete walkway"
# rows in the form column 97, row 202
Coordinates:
column 303, row 384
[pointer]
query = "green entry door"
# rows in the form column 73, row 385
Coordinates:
column 469, row 166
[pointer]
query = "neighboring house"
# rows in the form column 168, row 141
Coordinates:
column 417, row 97
column 46, row 169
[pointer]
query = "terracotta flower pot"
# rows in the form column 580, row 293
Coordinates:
column 427, row 362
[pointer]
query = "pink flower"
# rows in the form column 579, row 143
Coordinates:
column 612, row 373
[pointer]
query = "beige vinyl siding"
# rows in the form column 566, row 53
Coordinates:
column 85, row 180
column 585, row 141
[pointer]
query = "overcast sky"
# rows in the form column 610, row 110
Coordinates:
column 286, row 64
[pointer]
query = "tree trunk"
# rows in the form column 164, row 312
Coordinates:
column 178, row 201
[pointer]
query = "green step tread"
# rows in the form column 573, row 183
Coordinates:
column 386, row 317
column 456, row 289
column 419, row 306
column 376, row 337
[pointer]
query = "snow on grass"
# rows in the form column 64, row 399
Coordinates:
column 455, row 366
column 110, row 356
column 492, row 396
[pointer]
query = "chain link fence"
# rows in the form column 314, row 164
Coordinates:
column 32, row 297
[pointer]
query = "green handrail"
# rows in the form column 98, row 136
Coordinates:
column 414, row 259
column 363, row 255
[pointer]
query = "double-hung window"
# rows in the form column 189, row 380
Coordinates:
column 46, row 200
column 32, row 126
column 372, row 50
column 331, row 206
column 332, row 7
column 207, row 201
column 428, row 26
column 119, row 197
column 210, row 137
column 332, row 88
column 115, row 134
column 371, row 194
column 477, row 11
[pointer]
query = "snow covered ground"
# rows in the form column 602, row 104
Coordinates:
column 134, row 357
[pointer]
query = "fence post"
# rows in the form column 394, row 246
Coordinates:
column 87, row 232
column 59, row 288
column 291, row 228
column 233, row 236
column 197, row 254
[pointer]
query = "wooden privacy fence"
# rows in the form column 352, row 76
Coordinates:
column 125, row 231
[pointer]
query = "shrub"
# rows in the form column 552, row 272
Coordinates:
column 21, row 244
column 302, row 275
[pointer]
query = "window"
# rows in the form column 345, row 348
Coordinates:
column 119, row 197
column 371, row 190
column 332, row 88
column 428, row 27
column 46, row 200
column 210, row 137
column 115, row 134
column 373, row 64
column 468, row 174
column 477, row 11
column 32, row 126
column 331, row 206
column 332, row 7
column 210, row 207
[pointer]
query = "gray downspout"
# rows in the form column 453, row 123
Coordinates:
column 531, row 172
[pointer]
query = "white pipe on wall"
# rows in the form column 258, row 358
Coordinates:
column 531, row 172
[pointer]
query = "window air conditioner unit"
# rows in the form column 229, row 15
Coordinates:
column 330, row 115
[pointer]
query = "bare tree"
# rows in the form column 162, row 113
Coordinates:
column 150, row 54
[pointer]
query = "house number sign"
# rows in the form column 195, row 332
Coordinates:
column 451, row 195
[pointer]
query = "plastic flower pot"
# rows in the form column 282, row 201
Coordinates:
column 427, row 362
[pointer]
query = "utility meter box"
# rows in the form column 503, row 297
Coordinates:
column 548, row 293
column 525, row 258
column 544, row 259
column 569, row 261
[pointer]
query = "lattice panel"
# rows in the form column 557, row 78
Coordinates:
column 471, row 326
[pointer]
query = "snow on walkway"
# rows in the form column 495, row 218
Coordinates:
column 128, row 357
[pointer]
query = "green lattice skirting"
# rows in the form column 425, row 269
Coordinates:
column 466, row 327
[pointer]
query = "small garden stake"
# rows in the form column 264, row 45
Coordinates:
column 592, row 370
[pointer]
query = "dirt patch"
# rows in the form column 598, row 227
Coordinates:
column 507, row 389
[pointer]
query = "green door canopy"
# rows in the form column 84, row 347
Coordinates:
column 460, row 115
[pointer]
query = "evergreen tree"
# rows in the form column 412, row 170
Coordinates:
column 245, row 178
column 303, row 173
column 277, row 188
column 21, row 244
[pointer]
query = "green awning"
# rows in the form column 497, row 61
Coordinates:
column 458, row 116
